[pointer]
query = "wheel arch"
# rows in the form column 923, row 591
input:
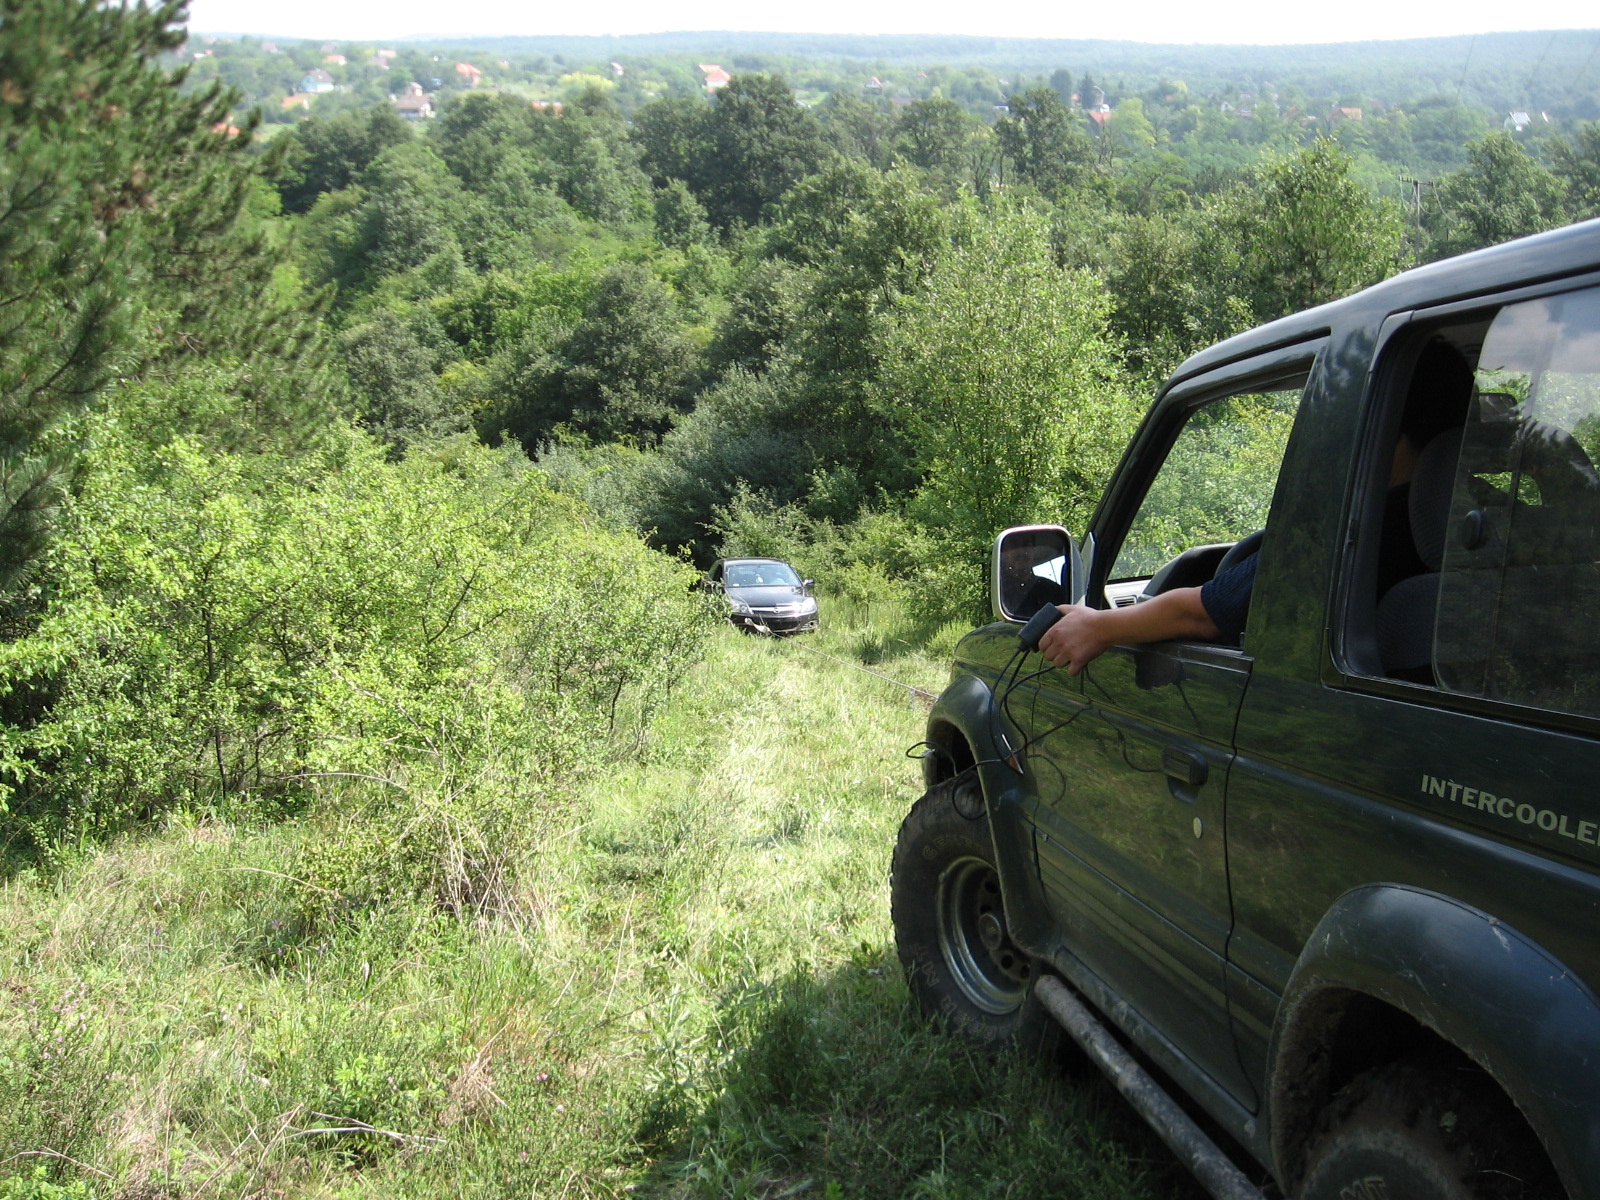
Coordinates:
column 961, row 729
column 1393, row 971
column 964, row 734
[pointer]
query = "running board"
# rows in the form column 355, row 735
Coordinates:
column 1211, row 1167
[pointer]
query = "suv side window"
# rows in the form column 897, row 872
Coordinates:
column 1216, row 483
column 1486, row 571
column 1519, row 584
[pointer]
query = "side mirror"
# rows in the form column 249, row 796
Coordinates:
column 1034, row 565
column 806, row 585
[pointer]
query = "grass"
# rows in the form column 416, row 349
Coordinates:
column 692, row 992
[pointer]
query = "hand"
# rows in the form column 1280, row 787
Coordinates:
column 1083, row 634
column 1078, row 638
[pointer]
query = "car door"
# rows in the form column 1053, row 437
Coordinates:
column 1129, row 760
column 1446, row 736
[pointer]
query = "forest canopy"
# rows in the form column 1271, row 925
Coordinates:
column 328, row 362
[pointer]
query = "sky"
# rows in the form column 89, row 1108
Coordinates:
column 1168, row 21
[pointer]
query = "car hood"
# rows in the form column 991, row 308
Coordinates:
column 767, row 597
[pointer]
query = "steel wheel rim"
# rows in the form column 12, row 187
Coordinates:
column 988, row 968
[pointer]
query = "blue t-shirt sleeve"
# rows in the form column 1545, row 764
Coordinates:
column 1226, row 599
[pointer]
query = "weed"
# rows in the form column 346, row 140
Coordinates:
column 680, row 984
column 38, row 1186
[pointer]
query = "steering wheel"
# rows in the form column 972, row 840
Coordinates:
column 1190, row 569
column 1242, row 549
column 1200, row 563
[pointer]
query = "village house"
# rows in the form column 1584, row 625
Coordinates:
column 414, row 104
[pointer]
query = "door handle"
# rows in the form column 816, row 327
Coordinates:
column 1185, row 765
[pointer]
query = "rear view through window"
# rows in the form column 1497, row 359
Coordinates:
column 1519, row 583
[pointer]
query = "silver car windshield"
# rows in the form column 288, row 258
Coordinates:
column 761, row 575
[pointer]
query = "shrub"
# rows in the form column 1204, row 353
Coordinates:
column 230, row 629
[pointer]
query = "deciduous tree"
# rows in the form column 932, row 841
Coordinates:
column 855, row 127
column 1045, row 142
column 762, row 143
column 1576, row 162
column 620, row 372
column 935, row 135
column 866, row 237
column 1502, row 193
column 396, row 381
column 1308, row 231
column 327, row 154
column 674, row 141
column 1004, row 374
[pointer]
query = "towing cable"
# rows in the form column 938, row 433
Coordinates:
column 914, row 693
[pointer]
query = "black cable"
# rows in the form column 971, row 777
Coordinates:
column 998, row 736
column 1464, row 66
column 1002, row 708
column 1122, row 738
column 1004, row 691
column 1527, row 91
column 1005, row 707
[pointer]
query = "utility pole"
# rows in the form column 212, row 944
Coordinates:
column 1416, row 207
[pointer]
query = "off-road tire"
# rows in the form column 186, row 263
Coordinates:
column 1413, row 1131
column 950, row 929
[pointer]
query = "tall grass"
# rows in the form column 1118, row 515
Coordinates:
column 691, row 991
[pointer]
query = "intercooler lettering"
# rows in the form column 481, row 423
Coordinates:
column 1512, row 812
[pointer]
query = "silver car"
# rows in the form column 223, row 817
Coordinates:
column 765, row 595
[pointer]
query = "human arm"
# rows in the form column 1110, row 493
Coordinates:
column 1083, row 634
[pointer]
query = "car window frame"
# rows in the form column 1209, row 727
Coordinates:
column 1271, row 368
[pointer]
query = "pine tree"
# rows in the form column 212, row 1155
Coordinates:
column 125, row 247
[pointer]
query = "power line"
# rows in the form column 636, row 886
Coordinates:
column 1472, row 45
column 1527, row 92
column 1584, row 70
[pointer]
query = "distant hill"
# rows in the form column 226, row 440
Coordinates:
column 1034, row 52
column 1555, row 73
column 1541, row 69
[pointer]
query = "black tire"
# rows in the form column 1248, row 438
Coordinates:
column 1411, row 1131
column 950, row 927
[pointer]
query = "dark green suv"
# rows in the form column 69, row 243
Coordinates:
column 1327, row 897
